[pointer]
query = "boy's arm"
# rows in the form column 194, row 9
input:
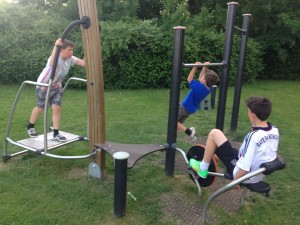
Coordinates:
column 57, row 42
column 240, row 173
column 80, row 62
column 203, row 70
column 192, row 73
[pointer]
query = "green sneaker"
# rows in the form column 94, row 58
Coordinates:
column 196, row 166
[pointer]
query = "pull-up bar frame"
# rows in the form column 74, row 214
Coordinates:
column 178, row 46
column 201, row 65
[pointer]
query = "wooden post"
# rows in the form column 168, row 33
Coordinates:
column 95, row 83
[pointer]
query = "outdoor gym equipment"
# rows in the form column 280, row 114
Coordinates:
column 138, row 151
column 95, row 88
column 43, row 143
column 262, row 187
column 178, row 47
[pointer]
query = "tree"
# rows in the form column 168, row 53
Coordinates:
column 43, row 5
column 26, row 41
column 149, row 9
column 115, row 10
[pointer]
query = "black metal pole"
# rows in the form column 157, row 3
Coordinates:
column 174, row 99
column 238, row 82
column 213, row 96
column 231, row 13
column 121, row 159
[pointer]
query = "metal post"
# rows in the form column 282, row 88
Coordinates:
column 238, row 82
column 231, row 13
column 174, row 99
column 121, row 159
column 213, row 96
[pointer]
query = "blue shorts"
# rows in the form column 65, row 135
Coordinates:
column 229, row 156
column 54, row 98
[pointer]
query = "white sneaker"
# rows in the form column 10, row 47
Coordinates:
column 60, row 138
column 193, row 134
column 32, row 133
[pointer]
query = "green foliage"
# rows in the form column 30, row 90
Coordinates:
column 140, row 59
column 26, row 42
column 175, row 13
column 149, row 9
column 116, row 10
column 136, row 53
column 275, row 25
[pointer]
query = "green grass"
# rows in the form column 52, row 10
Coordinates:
column 41, row 190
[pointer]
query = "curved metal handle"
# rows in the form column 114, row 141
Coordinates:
column 85, row 21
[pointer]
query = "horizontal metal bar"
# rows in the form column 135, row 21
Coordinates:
column 68, row 157
column 226, row 188
column 201, row 65
column 216, row 174
column 19, row 153
column 244, row 31
column 35, row 83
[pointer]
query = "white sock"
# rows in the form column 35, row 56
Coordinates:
column 204, row 165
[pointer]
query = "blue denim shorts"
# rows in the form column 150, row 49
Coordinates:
column 54, row 98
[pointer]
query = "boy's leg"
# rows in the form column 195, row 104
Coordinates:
column 40, row 104
column 183, row 114
column 33, row 118
column 56, row 116
column 56, row 108
column 35, row 114
column 189, row 131
column 215, row 139
column 181, row 127
column 56, row 121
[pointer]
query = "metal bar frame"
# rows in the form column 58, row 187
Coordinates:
column 240, row 69
column 231, row 14
column 174, row 99
column 177, row 65
column 227, row 188
column 197, row 65
column 45, row 150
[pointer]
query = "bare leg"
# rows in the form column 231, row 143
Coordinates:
column 56, row 116
column 181, row 127
column 35, row 114
column 215, row 139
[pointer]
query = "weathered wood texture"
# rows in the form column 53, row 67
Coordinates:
column 94, row 75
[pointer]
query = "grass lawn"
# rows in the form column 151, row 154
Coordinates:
column 37, row 190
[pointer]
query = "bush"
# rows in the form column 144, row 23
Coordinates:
column 26, row 42
column 135, row 54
